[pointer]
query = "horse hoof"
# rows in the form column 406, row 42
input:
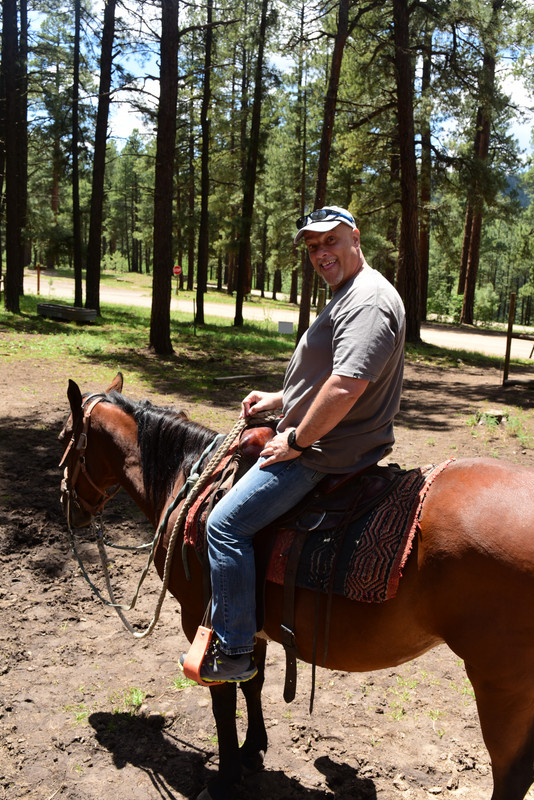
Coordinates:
column 217, row 791
column 253, row 762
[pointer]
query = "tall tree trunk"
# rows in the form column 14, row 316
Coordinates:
column 94, row 246
column 2, row 158
column 426, row 173
column 472, row 233
column 261, row 270
column 13, row 227
column 203, row 234
column 179, row 231
column 324, row 152
column 245, row 79
column 481, row 150
column 468, row 222
column 301, row 135
column 392, row 230
column 473, row 227
column 247, row 209
column 408, row 273
column 293, row 290
column 191, row 202
column 160, row 319
column 76, row 221
column 468, row 306
column 22, row 135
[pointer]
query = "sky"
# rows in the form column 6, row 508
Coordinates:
column 124, row 119
column 522, row 131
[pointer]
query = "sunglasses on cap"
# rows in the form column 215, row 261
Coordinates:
column 321, row 214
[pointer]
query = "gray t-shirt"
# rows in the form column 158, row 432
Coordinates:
column 359, row 334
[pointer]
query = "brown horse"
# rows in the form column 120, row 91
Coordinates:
column 469, row 580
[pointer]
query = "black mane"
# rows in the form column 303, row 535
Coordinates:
column 168, row 440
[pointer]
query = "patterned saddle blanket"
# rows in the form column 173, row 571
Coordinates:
column 361, row 557
column 358, row 538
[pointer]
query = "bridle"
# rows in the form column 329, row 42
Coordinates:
column 196, row 481
column 76, row 463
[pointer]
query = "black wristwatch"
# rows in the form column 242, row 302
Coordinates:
column 292, row 442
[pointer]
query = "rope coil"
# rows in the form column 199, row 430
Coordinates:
column 195, row 491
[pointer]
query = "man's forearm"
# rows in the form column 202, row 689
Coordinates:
column 335, row 399
column 333, row 402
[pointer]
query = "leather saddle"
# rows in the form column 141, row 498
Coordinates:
column 336, row 501
column 334, row 497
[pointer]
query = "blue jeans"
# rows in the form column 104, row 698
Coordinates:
column 255, row 501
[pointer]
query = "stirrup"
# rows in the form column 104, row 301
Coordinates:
column 194, row 658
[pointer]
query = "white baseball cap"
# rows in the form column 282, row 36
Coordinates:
column 324, row 219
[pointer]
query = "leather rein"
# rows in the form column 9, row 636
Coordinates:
column 192, row 486
column 78, row 446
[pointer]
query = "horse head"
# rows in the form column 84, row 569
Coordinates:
column 80, row 509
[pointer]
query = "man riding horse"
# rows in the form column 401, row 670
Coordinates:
column 341, row 392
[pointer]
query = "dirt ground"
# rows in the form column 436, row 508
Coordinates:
column 86, row 712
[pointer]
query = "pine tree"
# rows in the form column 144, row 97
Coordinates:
column 94, row 247
column 160, row 335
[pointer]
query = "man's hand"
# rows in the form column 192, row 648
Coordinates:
column 256, row 402
column 277, row 449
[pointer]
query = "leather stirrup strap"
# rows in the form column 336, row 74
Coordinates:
column 287, row 635
column 314, row 652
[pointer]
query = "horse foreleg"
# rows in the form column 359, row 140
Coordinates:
column 506, row 715
column 254, row 748
column 224, row 703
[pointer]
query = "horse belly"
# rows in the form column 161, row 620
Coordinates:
column 359, row 636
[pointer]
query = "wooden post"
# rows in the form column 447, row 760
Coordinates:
column 511, row 318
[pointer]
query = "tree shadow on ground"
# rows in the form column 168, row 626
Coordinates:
column 206, row 378
column 144, row 743
column 419, row 409
column 31, row 518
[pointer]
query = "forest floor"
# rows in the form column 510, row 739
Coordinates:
column 86, row 712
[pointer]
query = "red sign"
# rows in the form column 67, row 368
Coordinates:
column 177, row 270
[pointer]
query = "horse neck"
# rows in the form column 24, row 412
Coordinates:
column 118, row 434
column 125, row 463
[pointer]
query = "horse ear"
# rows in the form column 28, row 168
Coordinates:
column 117, row 383
column 75, row 398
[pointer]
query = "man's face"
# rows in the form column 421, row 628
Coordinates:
column 335, row 254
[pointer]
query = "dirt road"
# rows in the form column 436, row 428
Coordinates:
column 488, row 343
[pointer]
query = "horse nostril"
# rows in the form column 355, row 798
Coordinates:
column 77, row 517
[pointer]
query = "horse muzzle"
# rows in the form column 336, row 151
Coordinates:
column 77, row 516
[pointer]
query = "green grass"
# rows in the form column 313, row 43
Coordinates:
column 119, row 340
column 517, row 425
column 80, row 711
column 433, row 355
column 127, row 327
column 182, row 682
column 124, row 328
column 514, row 422
column 127, row 701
